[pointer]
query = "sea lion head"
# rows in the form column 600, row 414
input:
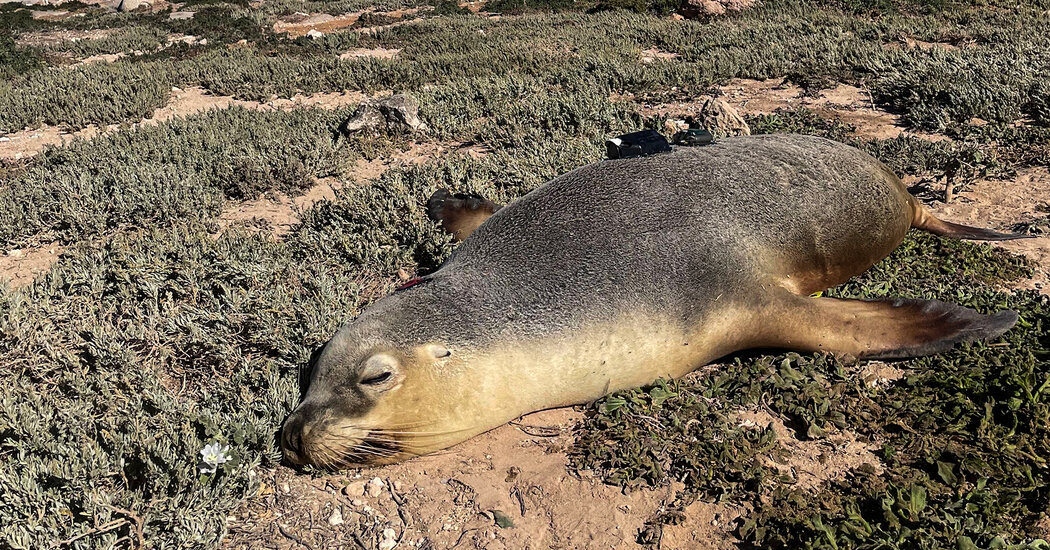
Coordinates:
column 372, row 398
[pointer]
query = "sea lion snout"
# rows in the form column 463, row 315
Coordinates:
column 367, row 403
column 312, row 435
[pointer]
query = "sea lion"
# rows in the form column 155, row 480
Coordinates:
column 619, row 273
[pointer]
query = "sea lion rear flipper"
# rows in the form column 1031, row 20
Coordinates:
column 923, row 219
column 882, row 329
column 460, row 213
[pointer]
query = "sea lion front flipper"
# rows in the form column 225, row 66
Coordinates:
column 460, row 213
column 881, row 329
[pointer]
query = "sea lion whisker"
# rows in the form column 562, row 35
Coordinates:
column 419, row 433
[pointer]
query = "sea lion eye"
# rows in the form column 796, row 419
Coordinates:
column 377, row 379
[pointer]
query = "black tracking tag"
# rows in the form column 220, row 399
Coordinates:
column 636, row 144
column 693, row 136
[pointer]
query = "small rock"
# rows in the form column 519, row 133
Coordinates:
column 675, row 125
column 336, row 518
column 375, row 487
column 203, row 42
column 387, row 544
column 448, row 527
column 181, row 15
column 130, row 5
column 397, row 484
column 396, row 113
column 389, row 533
column 502, row 519
column 285, row 488
column 314, row 34
column 355, row 489
column 5, row 139
column 722, row 120
column 15, row 252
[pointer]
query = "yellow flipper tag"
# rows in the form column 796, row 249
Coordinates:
column 817, row 294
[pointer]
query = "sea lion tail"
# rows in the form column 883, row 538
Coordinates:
column 877, row 329
column 461, row 213
column 925, row 220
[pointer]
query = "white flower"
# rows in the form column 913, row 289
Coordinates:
column 212, row 456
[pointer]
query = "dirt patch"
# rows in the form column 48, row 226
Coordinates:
column 456, row 498
column 53, row 15
column 301, row 24
column 654, row 54
column 474, row 7
column 877, row 374
column 845, row 103
column 278, row 212
column 101, row 58
column 1000, row 205
column 21, row 266
column 381, row 53
column 184, row 102
column 815, row 461
column 55, row 38
column 706, row 525
column 909, row 43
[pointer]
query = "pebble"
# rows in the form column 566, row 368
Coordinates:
column 315, row 34
column 389, row 539
column 355, row 489
column 375, row 487
column 336, row 518
column 285, row 488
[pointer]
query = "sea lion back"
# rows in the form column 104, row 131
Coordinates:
column 693, row 222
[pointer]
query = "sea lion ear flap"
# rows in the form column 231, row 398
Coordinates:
column 460, row 213
column 881, row 329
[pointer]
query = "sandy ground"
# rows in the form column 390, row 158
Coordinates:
column 19, row 266
column 302, row 24
column 451, row 499
column 517, row 473
column 183, row 102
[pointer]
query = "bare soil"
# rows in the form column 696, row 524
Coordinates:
column 55, row 38
column 183, row 102
column 279, row 212
column 451, row 499
column 381, row 53
column 1000, row 205
column 301, row 24
column 21, row 265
